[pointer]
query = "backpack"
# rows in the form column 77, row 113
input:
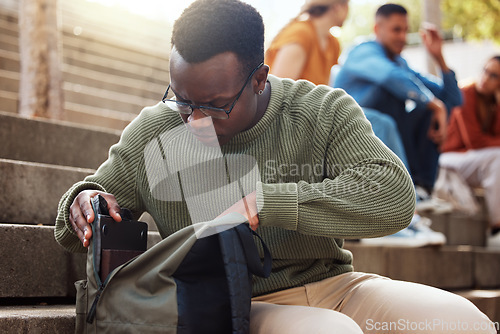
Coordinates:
column 197, row 280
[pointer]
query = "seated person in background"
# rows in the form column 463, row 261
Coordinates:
column 472, row 145
column 376, row 75
column 219, row 83
column 305, row 48
column 381, row 81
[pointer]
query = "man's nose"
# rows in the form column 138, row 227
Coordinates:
column 403, row 36
column 196, row 115
column 197, row 119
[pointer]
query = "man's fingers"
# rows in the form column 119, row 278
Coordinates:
column 80, row 225
column 113, row 207
column 86, row 207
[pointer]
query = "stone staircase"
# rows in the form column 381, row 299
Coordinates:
column 109, row 76
column 114, row 63
column 470, row 271
column 111, row 70
column 42, row 159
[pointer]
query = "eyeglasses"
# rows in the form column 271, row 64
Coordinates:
column 219, row 113
column 490, row 75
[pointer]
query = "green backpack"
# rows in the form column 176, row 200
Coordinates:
column 197, row 280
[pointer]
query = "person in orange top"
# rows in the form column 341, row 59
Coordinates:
column 305, row 48
column 472, row 146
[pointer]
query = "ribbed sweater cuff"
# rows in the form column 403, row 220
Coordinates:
column 277, row 205
column 66, row 236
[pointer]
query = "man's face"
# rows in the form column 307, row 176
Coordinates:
column 391, row 32
column 215, row 82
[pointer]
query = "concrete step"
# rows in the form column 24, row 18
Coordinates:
column 113, row 83
column 61, row 318
column 115, row 67
column 95, row 117
column 460, row 228
column 94, row 46
column 447, row 267
column 31, row 191
column 488, row 301
column 9, row 81
column 9, row 8
column 9, row 43
column 8, row 102
column 95, row 97
column 116, row 25
column 38, row 319
column 9, row 28
column 9, row 61
column 34, row 265
column 54, row 142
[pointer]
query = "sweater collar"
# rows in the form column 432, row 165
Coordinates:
column 267, row 119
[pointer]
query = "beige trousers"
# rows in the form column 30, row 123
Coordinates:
column 479, row 168
column 365, row 303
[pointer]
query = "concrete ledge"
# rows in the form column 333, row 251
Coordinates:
column 31, row 191
column 35, row 265
column 9, row 61
column 115, row 67
column 96, row 117
column 487, row 269
column 109, row 82
column 61, row 318
column 444, row 267
column 448, row 267
column 488, row 301
column 459, row 228
column 53, row 142
column 8, row 102
column 99, row 98
column 38, row 319
column 9, row 81
column 98, row 46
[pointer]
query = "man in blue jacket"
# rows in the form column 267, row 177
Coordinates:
column 381, row 81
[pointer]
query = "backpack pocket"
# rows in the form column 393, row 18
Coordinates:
column 81, row 306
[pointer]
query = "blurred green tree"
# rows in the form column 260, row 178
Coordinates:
column 474, row 19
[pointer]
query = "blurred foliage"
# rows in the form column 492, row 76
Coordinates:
column 362, row 18
column 474, row 19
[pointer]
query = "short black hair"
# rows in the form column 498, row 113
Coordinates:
column 210, row 27
column 318, row 11
column 389, row 9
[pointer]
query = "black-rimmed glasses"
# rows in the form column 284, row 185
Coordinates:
column 219, row 113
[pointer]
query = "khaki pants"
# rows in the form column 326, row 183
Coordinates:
column 480, row 168
column 365, row 303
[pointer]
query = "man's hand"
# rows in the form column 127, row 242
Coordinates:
column 437, row 128
column 434, row 44
column 247, row 206
column 81, row 214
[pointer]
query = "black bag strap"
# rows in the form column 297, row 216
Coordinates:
column 255, row 266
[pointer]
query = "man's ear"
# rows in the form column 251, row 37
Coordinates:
column 376, row 28
column 261, row 78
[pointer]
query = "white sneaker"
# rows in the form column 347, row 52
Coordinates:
column 434, row 204
column 417, row 234
column 493, row 241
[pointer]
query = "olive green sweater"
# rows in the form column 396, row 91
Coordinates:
column 324, row 177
